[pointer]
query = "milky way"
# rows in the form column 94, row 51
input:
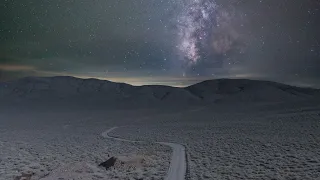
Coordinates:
column 207, row 31
column 196, row 19
column 158, row 41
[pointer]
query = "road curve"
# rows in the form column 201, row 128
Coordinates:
column 178, row 166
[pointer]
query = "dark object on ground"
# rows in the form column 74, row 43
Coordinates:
column 24, row 176
column 109, row 163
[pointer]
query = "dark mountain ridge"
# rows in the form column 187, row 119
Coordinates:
column 73, row 89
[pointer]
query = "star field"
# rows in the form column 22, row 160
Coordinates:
column 176, row 42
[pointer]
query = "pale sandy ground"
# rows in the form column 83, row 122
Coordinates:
column 236, row 142
column 70, row 146
column 256, row 145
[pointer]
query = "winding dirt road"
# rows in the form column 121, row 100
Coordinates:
column 178, row 166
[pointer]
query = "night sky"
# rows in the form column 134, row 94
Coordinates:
column 171, row 42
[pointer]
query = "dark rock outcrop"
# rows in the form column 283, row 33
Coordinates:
column 109, row 163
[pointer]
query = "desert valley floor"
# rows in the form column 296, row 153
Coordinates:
column 256, row 145
column 223, row 140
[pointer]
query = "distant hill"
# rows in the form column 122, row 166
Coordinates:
column 244, row 90
column 94, row 91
